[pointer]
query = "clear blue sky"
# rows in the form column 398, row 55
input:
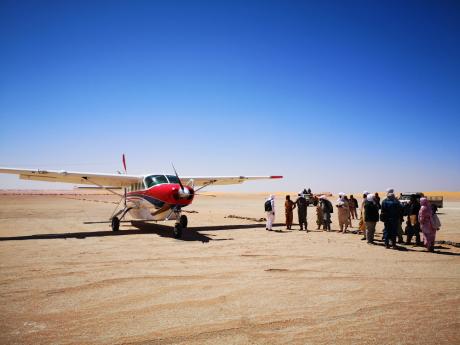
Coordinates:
column 335, row 95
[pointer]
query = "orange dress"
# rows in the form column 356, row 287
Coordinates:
column 288, row 207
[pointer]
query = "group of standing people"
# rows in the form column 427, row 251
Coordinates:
column 301, row 203
column 420, row 216
column 346, row 210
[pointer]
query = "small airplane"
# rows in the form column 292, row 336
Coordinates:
column 152, row 197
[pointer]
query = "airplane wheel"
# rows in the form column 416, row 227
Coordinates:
column 115, row 224
column 177, row 231
column 183, row 221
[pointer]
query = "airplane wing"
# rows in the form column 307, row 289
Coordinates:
column 106, row 180
column 222, row 180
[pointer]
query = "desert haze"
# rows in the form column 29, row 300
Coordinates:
column 228, row 281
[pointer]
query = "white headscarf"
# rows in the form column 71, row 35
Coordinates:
column 370, row 197
column 340, row 199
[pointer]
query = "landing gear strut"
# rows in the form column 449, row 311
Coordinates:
column 116, row 221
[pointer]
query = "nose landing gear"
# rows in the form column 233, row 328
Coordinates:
column 183, row 221
column 180, row 225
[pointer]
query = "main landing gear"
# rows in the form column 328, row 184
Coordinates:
column 181, row 222
column 115, row 221
column 115, row 224
column 180, row 225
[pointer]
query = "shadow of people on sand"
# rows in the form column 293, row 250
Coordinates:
column 403, row 247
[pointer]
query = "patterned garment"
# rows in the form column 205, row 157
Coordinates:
column 343, row 212
column 424, row 216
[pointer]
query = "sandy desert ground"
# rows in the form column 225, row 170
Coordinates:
column 229, row 281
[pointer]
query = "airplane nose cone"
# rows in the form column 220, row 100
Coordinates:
column 187, row 193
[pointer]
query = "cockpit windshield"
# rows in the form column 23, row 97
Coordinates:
column 153, row 180
column 172, row 179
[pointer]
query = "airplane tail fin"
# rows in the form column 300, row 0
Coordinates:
column 124, row 164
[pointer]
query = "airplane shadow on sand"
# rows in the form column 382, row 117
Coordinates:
column 190, row 234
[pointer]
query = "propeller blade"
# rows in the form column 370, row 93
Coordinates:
column 162, row 209
column 180, row 183
column 211, row 195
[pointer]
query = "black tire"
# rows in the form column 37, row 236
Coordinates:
column 177, row 231
column 115, row 224
column 183, row 221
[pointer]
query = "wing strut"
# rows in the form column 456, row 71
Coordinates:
column 103, row 187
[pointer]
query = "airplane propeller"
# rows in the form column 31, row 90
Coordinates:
column 184, row 192
column 191, row 185
column 177, row 175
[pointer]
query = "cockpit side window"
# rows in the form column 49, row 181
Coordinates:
column 153, row 180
